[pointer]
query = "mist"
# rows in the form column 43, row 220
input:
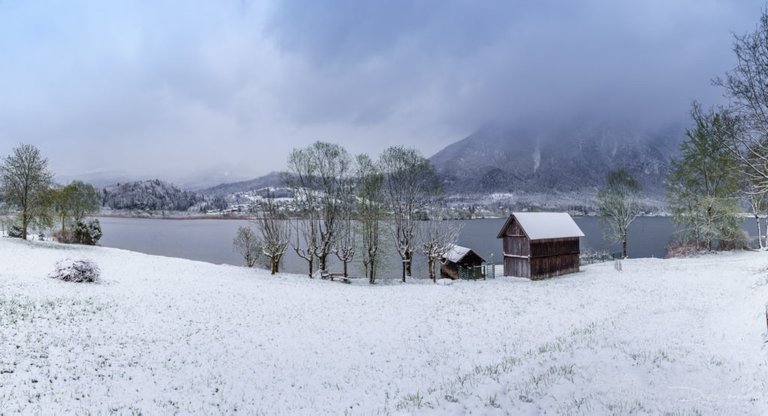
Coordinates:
column 223, row 90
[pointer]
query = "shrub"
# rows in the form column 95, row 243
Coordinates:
column 87, row 233
column 64, row 236
column 683, row 249
column 737, row 240
column 79, row 271
column 588, row 256
column 15, row 231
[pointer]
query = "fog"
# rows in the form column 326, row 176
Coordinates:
column 200, row 90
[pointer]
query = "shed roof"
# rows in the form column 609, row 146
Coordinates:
column 544, row 225
column 457, row 253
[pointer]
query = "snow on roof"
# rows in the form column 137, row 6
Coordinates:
column 456, row 253
column 546, row 225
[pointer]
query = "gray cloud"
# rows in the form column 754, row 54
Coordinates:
column 163, row 89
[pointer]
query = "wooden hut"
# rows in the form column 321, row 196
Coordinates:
column 538, row 245
column 461, row 262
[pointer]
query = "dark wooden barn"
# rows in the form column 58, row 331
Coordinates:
column 538, row 245
column 462, row 262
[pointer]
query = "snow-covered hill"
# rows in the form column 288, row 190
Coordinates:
column 151, row 195
column 270, row 180
column 162, row 335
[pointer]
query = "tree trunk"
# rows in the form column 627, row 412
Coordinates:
column 764, row 243
column 323, row 262
column 24, row 225
column 432, row 270
column 345, row 267
column 624, row 246
column 404, row 270
column 709, row 229
column 371, row 273
column 759, row 237
column 310, row 268
column 409, row 257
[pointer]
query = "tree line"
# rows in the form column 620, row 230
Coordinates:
column 31, row 200
column 347, row 206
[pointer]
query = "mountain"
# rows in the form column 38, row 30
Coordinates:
column 270, row 180
column 99, row 179
column 153, row 195
column 550, row 159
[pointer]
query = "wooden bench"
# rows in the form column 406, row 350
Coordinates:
column 339, row 276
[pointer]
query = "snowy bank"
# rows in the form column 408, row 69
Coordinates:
column 161, row 335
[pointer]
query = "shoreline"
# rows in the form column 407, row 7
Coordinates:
column 253, row 218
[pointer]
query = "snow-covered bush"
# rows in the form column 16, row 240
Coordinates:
column 78, row 271
column 87, row 232
column 14, row 231
column 588, row 256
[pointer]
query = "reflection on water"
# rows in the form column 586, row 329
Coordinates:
column 211, row 240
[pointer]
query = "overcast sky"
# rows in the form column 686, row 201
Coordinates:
column 180, row 89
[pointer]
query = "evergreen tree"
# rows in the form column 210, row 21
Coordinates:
column 704, row 181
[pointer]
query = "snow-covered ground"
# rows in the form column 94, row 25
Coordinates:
column 160, row 335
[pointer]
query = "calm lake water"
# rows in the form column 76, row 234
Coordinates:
column 211, row 240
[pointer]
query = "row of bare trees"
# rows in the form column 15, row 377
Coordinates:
column 344, row 205
column 341, row 199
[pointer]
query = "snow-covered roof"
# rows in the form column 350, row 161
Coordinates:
column 545, row 225
column 457, row 253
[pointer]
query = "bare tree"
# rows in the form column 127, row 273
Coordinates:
column 370, row 211
column 344, row 240
column 758, row 204
column 25, row 185
column 344, row 245
column 275, row 232
column 316, row 174
column 304, row 241
column 619, row 205
column 247, row 244
column 437, row 237
column 409, row 183
column 747, row 87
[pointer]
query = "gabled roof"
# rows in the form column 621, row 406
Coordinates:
column 457, row 253
column 544, row 225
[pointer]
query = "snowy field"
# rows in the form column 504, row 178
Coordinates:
column 161, row 336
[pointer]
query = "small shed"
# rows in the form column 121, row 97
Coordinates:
column 538, row 245
column 461, row 262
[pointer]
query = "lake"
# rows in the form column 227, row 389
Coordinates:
column 211, row 240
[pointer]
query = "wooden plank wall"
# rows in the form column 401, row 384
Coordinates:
column 518, row 267
column 538, row 259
